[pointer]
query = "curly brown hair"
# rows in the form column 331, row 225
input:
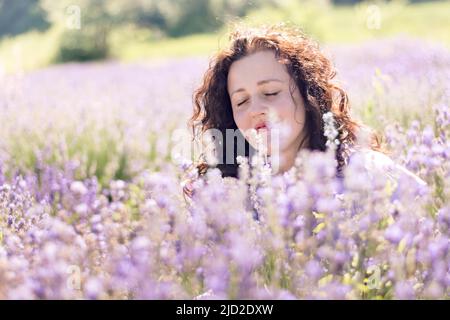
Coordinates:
column 311, row 71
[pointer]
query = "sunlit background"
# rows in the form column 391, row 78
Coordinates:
column 129, row 65
column 36, row 33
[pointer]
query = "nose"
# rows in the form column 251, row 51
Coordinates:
column 258, row 107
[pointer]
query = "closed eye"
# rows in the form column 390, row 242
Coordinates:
column 241, row 102
column 272, row 94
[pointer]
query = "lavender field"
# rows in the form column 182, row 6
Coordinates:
column 92, row 205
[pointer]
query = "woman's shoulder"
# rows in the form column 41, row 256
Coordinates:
column 376, row 163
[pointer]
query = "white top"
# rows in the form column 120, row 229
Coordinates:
column 377, row 163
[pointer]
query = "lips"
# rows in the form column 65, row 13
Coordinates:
column 261, row 125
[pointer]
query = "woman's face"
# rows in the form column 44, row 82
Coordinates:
column 258, row 85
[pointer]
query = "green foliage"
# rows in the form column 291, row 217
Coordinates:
column 83, row 46
column 206, row 15
column 197, row 17
column 137, row 29
column 86, row 27
column 87, row 24
column 20, row 16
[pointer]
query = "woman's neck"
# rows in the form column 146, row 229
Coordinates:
column 287, row 158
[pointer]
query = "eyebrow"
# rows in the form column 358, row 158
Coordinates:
column 259, row 83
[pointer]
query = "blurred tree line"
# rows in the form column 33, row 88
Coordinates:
column 87, row 24
column 87, row 39
column 19, row 16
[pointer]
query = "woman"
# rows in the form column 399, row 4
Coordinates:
column 277, row 78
